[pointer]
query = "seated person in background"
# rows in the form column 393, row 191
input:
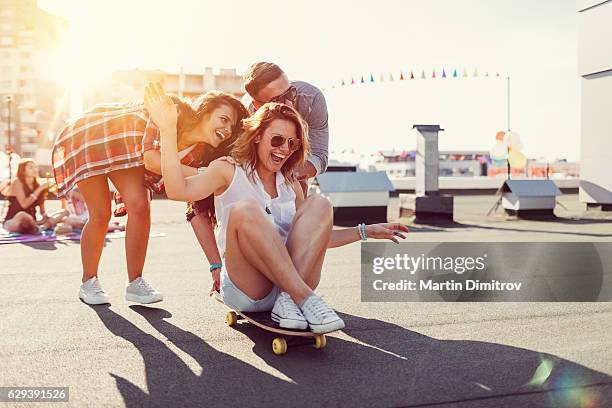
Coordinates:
column 25, row 193
column 77, row 214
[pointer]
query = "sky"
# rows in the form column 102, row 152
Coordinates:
column 323, row 42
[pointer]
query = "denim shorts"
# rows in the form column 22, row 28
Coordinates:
column 237, row 299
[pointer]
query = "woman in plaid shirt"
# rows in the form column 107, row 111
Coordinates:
column 121, row 143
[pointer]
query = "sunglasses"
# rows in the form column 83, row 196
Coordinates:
column 278, row 141
column 289, row 95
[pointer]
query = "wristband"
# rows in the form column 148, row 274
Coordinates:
column 33, row 196
column 362, row 233
column 214, row 266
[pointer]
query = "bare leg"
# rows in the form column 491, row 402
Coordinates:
column 136, row 198
column 307, row 241
column 256, row 257
column 55, row 218
column 75, row 221
column 95, row 192
column 22, row 222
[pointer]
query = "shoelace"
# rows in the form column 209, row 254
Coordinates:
column 321, row 310
column 143, row 284
column 96, row 287
column 289, row 305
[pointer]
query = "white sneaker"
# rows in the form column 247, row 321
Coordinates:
column 140, row 291
column 287, row 314
column 92, row 293
column 321, row 318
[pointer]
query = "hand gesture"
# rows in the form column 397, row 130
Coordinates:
column 390, row 231
column 161, row 108
column 216, row 277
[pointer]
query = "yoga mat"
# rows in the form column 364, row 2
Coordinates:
column 15, row 238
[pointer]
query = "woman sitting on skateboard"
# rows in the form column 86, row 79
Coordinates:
column 272, row 239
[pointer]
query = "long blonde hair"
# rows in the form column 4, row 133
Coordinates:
column 244, row 149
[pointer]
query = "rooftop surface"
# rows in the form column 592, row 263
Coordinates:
column 181, row 353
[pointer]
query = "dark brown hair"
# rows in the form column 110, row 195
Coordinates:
column 244, row 150
column 21, row 169
column 259, row 75
column 191, row 113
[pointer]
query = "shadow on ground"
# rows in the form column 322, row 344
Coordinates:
column 383, row 365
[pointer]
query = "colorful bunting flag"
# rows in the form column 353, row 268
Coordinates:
column 401, row 77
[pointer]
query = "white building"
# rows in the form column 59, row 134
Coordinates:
column 29, row 40
column 129, row 84
column 595, row 69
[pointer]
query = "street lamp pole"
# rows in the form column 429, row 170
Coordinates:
column 508, row 98
column 508, row 117
column 9, row 100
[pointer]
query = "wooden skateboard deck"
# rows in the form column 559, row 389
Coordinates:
column 264, row 321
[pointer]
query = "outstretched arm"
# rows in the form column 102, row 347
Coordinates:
column 390, row 231
column 164, row 114
column 152, row 162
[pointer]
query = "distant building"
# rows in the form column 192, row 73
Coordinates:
column 595, row 69
column 129, row 85
column 470, row 163
column 29, row 40
column 453, row 163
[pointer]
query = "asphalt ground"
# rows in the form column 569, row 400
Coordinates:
column 181, row 353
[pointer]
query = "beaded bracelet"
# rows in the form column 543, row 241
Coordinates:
column 215, row 266
column 362, row 233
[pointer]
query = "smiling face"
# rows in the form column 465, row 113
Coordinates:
column 272, row 90
column 216, row 126
column 273, row 158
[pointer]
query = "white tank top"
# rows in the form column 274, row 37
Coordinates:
column 279, row 210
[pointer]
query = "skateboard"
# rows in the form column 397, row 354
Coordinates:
column 264, row 321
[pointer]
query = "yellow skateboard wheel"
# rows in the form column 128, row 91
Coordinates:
column 279, row 346
column 231, row 318
column 320, row 341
